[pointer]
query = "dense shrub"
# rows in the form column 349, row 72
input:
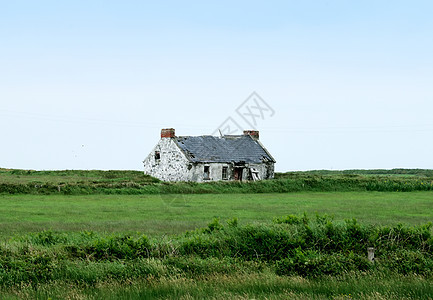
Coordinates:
column 404, row 237
column 46, row 238
column 118, row 247
column 312, row 263
column 193, row 265
column 408, row 262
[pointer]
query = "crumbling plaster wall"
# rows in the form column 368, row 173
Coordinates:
column 196, row 171
column 172, row 165
column 215, row 171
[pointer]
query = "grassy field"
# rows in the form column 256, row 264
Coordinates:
column 241, row 287
column 298, row 257
column 174, row 213
column 72, row 182
column 120, row 234
column 17, row 176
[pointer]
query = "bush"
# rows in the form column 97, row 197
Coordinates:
column 47, row 238
column 407, row 262
column 115, row 247
column 311, row 263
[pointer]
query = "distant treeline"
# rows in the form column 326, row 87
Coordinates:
column 135, row 182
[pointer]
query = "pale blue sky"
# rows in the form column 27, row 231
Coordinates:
column 89, row 84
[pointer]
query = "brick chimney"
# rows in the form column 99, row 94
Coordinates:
column 252, row 133
column 167, row 133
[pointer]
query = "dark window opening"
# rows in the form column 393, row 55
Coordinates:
column 237, row 173
column 206, row 173
column 224, row 173
column 157, row 155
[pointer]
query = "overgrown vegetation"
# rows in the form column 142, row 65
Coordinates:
column 135, row 182
column 291, row 256
column 317, row 249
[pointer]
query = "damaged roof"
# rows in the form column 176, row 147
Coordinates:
column 228, row 148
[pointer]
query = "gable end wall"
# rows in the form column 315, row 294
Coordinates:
column 172, row 166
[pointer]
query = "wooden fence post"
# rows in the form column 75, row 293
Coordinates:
column 370, row 251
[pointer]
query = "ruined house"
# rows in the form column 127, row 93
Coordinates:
column 209, row 158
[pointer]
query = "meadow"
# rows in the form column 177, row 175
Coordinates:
column 176, row 213
column 119, row 234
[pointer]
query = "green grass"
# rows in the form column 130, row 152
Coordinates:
column 94, row 246
column 293, row 257
column 16, row 176
column 241, row 286
column 175, row 213
column 134, row 182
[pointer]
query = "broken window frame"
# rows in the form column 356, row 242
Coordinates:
column 206, row 172
column 225, row 173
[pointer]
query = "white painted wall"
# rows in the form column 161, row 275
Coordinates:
column 172, row 166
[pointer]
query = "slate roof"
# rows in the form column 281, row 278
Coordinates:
column 228, row 148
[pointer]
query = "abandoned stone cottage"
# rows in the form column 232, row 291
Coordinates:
column 202, row 158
